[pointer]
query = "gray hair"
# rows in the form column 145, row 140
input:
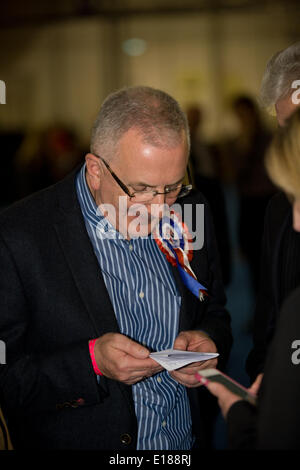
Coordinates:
column 281, row 70
column 156, row 115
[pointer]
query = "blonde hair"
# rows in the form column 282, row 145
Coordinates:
column 283, row 157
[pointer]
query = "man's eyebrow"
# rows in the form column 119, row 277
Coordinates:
column 151, row 186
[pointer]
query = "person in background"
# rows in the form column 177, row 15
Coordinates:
column 201, row 155
column 10, row 142
column 274, row 424
column 44, row 158
column 202, row 162
column 253, row 185
column 280, row 252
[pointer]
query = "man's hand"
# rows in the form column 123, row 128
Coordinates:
column 198, row 342
column 122, row 359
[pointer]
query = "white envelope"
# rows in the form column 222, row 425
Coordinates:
column 172, row 359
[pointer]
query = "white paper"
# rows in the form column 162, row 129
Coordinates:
column 172, row 359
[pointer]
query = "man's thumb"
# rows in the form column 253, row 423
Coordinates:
column 181, row 342
column 135, row 349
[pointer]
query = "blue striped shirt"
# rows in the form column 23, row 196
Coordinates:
column 146, row 303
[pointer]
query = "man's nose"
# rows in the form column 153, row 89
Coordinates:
column 158, row 207
column 159, row 199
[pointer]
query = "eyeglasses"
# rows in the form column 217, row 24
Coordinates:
column 170, row 192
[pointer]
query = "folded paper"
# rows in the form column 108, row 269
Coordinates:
column 172, row 359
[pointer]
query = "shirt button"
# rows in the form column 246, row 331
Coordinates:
column 130, row 247
column 126, row 439
column 141, row 295
column 159, row 380
column 164, row 423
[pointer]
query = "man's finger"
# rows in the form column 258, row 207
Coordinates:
column 130, row 363
column 210, row 364
column 130, row 347
column 191, row 369
column 181, row 342
column 185, row 379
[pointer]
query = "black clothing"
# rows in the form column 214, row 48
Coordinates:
column 275, row 423
column 280, row 273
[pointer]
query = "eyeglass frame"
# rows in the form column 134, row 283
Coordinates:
column 155, row 193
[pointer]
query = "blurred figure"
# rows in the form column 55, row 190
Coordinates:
column 201, row 154
column 254, row 187
column 46, row 157
column 280, row 261
column 10, row 142
column 274, row 424
column 202, row 158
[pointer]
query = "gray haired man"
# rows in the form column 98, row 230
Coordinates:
column 280, row 82
column 81, row 310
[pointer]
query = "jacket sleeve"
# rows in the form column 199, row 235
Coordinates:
column 279, row 414
column 32, row 381
column 242, row 426
column 274, row 425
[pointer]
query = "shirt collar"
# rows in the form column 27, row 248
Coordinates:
column 91, row 212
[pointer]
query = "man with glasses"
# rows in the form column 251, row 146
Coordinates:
column 147, row 197
column 87, row 295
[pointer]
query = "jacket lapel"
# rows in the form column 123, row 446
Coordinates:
column 84, row 267
column 80, row 257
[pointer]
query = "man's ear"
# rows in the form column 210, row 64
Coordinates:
column 94, row 170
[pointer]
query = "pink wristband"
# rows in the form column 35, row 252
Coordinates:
column 92, row 354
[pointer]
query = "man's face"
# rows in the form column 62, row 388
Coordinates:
column 141, row 166
column 284, row 109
